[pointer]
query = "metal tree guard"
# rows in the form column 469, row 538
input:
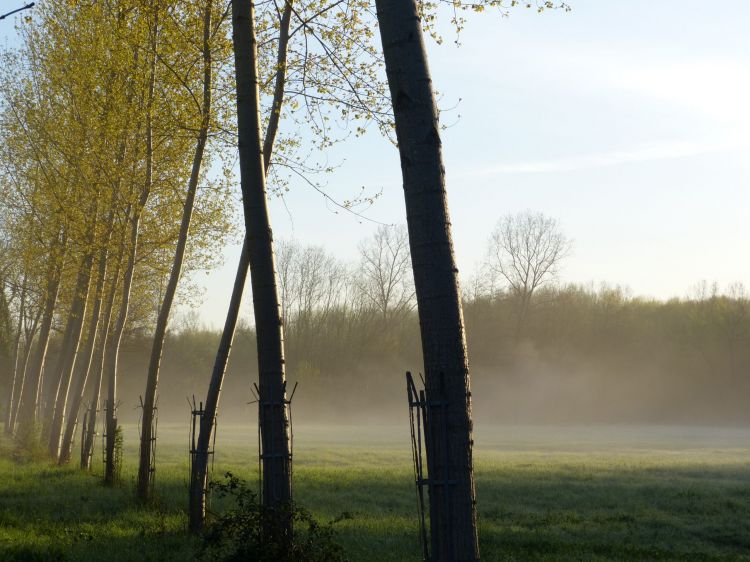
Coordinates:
column 429, row 434
column 262, row 406
column 197, row 415
column 152, row 437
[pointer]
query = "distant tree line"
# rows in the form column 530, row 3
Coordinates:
column 585, row 353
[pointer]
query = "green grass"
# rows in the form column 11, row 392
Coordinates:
column 543, row 494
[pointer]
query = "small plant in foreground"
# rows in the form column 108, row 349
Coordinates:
column 27, row 446
column 251, row 531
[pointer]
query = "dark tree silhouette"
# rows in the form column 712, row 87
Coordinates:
column 448, row 425
column 274, row 424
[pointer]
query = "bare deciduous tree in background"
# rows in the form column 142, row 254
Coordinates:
column 385, row 281
column 311, row 281
column 525, row 252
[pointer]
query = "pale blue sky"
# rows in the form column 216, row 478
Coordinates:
column 627, row 121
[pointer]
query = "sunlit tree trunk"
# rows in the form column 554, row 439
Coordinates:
column 87, row 446
column 23, row 369
column 144, row 489
column 60, row 384
column 97, row 364
column 448, row 425
column 114, row 347
column 27, row 415
column 83, row 365
column 274, row 426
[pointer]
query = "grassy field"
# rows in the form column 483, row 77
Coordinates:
column 544, row 493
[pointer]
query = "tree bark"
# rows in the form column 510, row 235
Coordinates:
column 27, row 346
column 274, row 425
column 27, row 414
column 199, row 474
column 144, row 467
column 83, row 366
column 448, row 425
column 87, row 444
column 113, row 348
column 55, row 409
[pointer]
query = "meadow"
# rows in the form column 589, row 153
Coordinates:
column 544, row 493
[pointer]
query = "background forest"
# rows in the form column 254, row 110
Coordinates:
column 585, row 353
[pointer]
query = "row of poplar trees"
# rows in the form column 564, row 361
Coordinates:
column 121, row 121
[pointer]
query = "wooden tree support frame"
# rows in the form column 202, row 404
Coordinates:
column 265, row 405
column 428, row 423
column 152, row 437
column 197, row 415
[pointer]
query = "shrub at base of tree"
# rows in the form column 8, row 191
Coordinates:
column 251, row 531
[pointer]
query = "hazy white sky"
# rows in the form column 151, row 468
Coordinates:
column 627, row 121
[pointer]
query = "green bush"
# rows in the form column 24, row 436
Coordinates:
column 251, row 531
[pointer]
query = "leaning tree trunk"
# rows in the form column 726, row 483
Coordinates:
column 85, row 358
column 199, row 474
column 87, row 443
column 27, row 409
column 449, row 428
column 144, row 467
column 274, row 424
column 149, row 401
column 144, row 490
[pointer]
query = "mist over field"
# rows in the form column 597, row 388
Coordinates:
column 587, row 356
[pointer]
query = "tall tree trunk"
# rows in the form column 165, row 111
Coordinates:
column 199, row 475
column 17, row 375
column 27, row 415
column 448, row 425
column 274, row 425
column 55, row 410
column 87, row 445
column 114, row 348
column 144, row 467
column 86, row 357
